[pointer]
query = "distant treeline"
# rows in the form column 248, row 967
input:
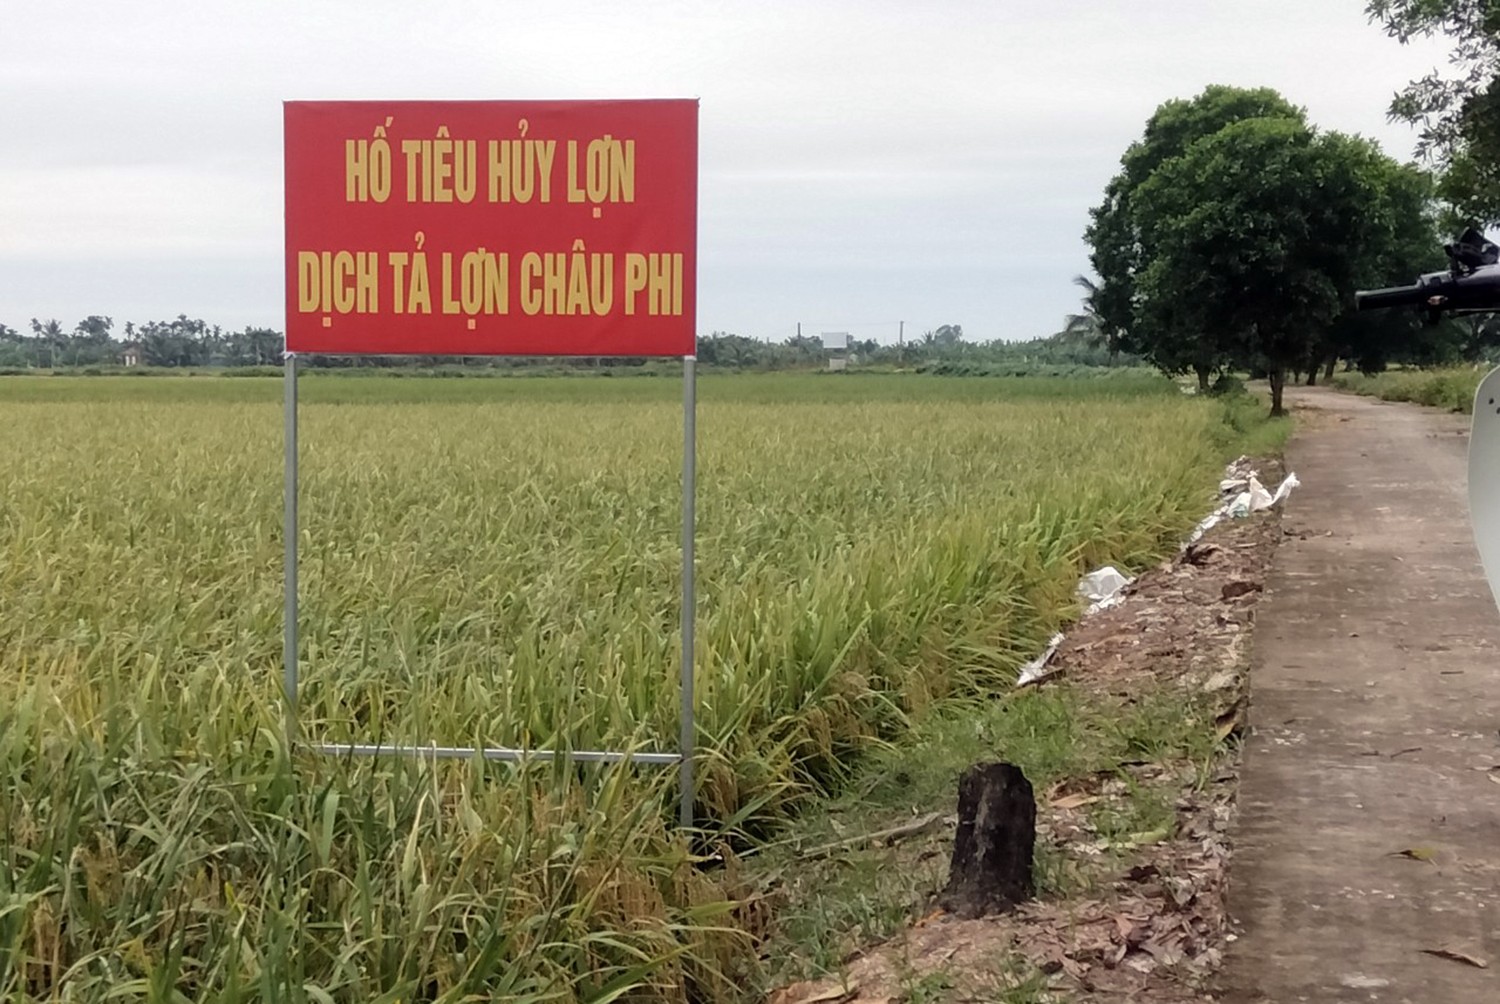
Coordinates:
column 95, row 342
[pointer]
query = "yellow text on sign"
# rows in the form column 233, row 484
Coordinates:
column 341, row 282
column 659, row 277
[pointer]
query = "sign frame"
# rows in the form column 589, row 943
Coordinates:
column 684, row 756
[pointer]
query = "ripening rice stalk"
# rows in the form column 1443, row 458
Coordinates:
column 497, row 563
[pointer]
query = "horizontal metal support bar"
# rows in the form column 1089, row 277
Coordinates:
column 491, row 753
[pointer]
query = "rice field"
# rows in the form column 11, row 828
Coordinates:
column 496, row 562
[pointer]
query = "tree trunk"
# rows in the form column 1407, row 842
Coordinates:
column 992, row 851
column 1277, row 375
column 1203, row 373
column 1328, row 369
column 1312, row 375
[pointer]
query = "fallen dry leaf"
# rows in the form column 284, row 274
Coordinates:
column 1415, row 853
column 1132, row 930
column 814, row 992
column 1229, row 722
column 930, row 917
column 1457, row 956
column 1165, row 952
column 1074, row 801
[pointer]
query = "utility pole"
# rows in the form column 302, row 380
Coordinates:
column 901, row 342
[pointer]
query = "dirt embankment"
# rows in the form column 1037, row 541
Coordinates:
column 1142, row 915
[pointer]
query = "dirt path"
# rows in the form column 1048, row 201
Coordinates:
column 1375, row 706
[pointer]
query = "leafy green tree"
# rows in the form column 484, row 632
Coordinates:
column 262, row 346
column 1408, row 247
column 944, row 341
column 1261, row 232
column 91, row 342
column 12, row 347
column 1458, row 114
column 181, row 342
column 723, row 348
column 1121, row 246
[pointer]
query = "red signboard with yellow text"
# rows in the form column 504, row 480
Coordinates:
column 491, row 227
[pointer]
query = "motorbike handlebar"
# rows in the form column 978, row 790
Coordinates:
column 1479, row 289
column 1394, row 296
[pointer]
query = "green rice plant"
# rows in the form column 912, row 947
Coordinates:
column 496, row 562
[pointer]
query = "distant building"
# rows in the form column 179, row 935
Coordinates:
column 130, row 355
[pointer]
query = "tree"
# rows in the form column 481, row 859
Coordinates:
column 1121, row 248
column 1092, row 325
column 1408, row 248
column 91, row 338
column 52, row 336
column 181, row 342
column 1458, row 115
column 1207, row 258
column 723, row 348
column 1261, row 232
column 803, row 349
column 262, row 345
column 12, row 347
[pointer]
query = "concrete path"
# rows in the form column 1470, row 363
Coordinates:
column 1375, row 704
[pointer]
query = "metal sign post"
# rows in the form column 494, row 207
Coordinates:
column 688, row 739
column 289, row 629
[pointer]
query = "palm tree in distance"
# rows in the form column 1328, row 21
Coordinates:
column 1089, row 327
column 51, row 335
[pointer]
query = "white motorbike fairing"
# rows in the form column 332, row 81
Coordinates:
column 1484, row 477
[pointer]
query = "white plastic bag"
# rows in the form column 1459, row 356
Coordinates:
column 1102, row 584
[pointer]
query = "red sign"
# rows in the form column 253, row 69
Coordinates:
column 492, row 227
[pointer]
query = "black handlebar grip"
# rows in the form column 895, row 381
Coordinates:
column 1395, row 296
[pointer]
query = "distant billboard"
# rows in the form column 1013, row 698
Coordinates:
column 491, row 227
column 835, row 341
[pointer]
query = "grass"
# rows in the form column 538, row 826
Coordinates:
column 496, row 562
column 1452, row 389
column 1054, row 734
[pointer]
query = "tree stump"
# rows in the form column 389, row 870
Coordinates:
column 991, row 867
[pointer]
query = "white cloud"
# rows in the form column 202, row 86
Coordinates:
column 117, row 211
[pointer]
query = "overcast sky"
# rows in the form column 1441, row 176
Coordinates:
column 862, row 163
